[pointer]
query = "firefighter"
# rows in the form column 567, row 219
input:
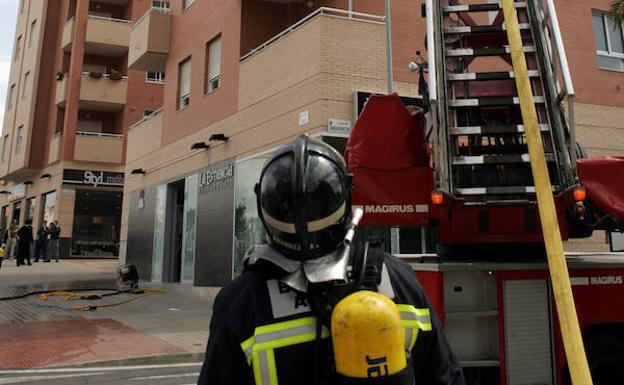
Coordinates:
column 272, row 324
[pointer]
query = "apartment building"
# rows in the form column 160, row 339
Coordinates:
column 244, row 77
column 71, row 99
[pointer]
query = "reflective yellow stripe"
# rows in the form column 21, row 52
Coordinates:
column 260, row 348
column 272, row 367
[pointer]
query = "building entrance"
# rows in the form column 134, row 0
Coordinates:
column 174, row 233
column 97, row 219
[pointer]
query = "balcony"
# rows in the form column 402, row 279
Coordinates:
column 144, row 136
column 149, row 41
column 61, row 91
column 319, row 53
column 55, row 149
column 103, row 93
column 105, row 36
column 68, row 35
column 98, row 147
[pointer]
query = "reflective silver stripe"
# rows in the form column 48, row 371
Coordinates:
column 329, row 220
column 409, row 332
column 263, row 363
column 285, row 227
column 284, row 333
column 423, row 319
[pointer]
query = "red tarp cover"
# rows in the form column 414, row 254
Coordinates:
column 387, row 157
column 603, row 179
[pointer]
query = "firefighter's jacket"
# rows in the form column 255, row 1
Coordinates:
column 263, row 332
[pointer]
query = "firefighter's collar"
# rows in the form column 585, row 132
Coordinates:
column 330, row 267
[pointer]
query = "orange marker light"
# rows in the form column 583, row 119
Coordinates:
column 437, row 198
column 579, row 194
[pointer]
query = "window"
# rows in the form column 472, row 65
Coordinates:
column 5, row 148
column 184, row 83
column 18, row 48
column 162, row 6
column 187, row 3
column 33, row 30
column 20, row 139
column 155, row 77
column 609, row 42
column 147, row 113
column 213, row 64
column 11, row 96
column 26, row 85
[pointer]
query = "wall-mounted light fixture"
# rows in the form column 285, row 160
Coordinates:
column 46, row 176
column 137, row 171
column 200, row 146
column 4, row 192
column 28, row 182
column 219, row 137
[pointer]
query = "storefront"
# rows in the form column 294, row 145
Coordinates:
column 96, row 197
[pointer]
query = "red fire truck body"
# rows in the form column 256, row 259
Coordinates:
column 500, row 317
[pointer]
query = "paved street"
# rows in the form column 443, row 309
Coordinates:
column 148, row 329
column 164, row 374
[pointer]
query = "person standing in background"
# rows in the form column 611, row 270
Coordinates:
column 11, row 240
column 41, row 243
column 55, row 235
column 25, row 238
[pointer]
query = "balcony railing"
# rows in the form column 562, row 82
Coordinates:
column 98, row 148
column 334, row 12
column 95, row 17
column 150, row 116
column 98, row 134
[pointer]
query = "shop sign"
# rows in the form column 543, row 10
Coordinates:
column 216, row 179
column 17, row 192
column 339, row 126
column 93, row 178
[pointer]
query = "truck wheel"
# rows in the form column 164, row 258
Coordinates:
column 605, row 353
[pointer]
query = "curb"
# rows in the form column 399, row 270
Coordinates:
column 148, row 360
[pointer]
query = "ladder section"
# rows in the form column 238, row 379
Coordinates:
column 482, row 127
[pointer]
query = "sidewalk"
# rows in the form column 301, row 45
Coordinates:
column 36, row 333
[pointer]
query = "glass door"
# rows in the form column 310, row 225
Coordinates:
column 159, row 233
column 190, row 222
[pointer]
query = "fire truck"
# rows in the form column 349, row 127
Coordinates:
column 460, row 167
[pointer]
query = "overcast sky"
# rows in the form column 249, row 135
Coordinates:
column 8, row 15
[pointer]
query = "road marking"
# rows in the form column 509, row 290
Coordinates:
column 194, row 374
column 108, row 369
column 17, row 380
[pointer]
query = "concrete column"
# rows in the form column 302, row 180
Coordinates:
column 75, row 77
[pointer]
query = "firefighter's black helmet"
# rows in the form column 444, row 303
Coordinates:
column 304, row 199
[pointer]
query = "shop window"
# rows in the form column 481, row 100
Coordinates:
column 609, row 42
column 18, row 48
column 213, row 64
column 33, row 31
column 31, row 206
column 20, row 139
column 5, row 148
column 184, row 83
column 155, row 77
column 49, row 202
column 97, row 219
column 26, row 85
column 248, row 229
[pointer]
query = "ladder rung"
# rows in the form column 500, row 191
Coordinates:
column 478, row 7
column 503, row 75
column 489, row 102
column 482, row 28
column 485, row 51
column 493, row 130
column 495, row 190
column 496, row 159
